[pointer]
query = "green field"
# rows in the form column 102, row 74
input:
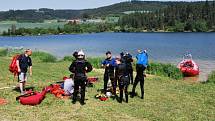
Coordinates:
column 165, row 99
column 5, row 25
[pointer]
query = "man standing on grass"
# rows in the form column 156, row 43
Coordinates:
column 142, row 63
column 122, row 75
column 23, row 62
column 80, row 67
column 109, row 64
column 127, row 59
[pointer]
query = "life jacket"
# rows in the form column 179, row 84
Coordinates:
column 56, row 90
column 13, row 66
column 142, row 59
column 32, row 98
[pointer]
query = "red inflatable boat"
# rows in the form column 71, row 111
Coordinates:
column 188, row 67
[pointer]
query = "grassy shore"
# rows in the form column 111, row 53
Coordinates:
column 211, row 77
column 166, row 99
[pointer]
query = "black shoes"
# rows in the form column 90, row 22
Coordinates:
column 82, row 103
column 74, row 101
column 126, row 98
column 132, row 94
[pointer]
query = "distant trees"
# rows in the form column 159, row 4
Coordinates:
column 162, row 16
column 178, row 17
column 67, row 29
column 34, row 15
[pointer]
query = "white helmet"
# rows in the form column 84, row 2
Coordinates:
column 108, row 94
column 81, row 53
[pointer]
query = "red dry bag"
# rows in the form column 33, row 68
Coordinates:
column 13, row 67
column 34, row 98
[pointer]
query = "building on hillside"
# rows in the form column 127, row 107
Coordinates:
column 112, row 19
column 74, row 21
column 144, row 11
column 94, row 21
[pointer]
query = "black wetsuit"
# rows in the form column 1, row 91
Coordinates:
column 78, row 67
column 122, row 76
column 139, row 78
column 127, row 59
column 142, row 62
column 109, row 74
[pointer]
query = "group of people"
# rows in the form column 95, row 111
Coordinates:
column 118, row 70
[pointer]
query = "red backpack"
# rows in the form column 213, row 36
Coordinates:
column 13, row 67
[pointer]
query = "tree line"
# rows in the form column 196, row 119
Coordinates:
column 176, row 17
column 179, row 17
column 67, row 29
column 39, row 15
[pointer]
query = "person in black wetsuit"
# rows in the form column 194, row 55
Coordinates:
column 127, row 59
column 122, row 76
column 80, row 67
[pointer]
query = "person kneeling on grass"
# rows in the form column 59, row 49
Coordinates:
column 122, row 75
column 23, row 62
column 68, row 85
column 80, row 67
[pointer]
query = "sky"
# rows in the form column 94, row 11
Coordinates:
column 60, row 4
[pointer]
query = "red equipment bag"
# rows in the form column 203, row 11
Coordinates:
column 57, row 91
column 92, row 79
column 32, row 98
column 13, row 67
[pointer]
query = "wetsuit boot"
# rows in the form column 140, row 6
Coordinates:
column 121, row 96
column 126, row 97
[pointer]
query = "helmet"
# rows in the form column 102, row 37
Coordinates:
column 108, row 52
column 108, row 94
column 81, row 53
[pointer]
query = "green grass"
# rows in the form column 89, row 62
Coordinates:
column 5, row 25
column 166, row 70
column 165, row 99
column 68, row 58
column 44, row 56
column 3, row 52
column 211, row 77
column 96, row 62
column 159, row 69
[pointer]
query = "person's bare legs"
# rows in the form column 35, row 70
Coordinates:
column 21, row 87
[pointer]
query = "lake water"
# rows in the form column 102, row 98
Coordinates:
column 164, row 47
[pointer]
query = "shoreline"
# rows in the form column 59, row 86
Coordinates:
column 185, row 32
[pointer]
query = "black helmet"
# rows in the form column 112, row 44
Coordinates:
column 122, row 54
column 75, row 54
column 108, row 52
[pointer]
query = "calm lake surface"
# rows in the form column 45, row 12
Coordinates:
column 163, row 47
